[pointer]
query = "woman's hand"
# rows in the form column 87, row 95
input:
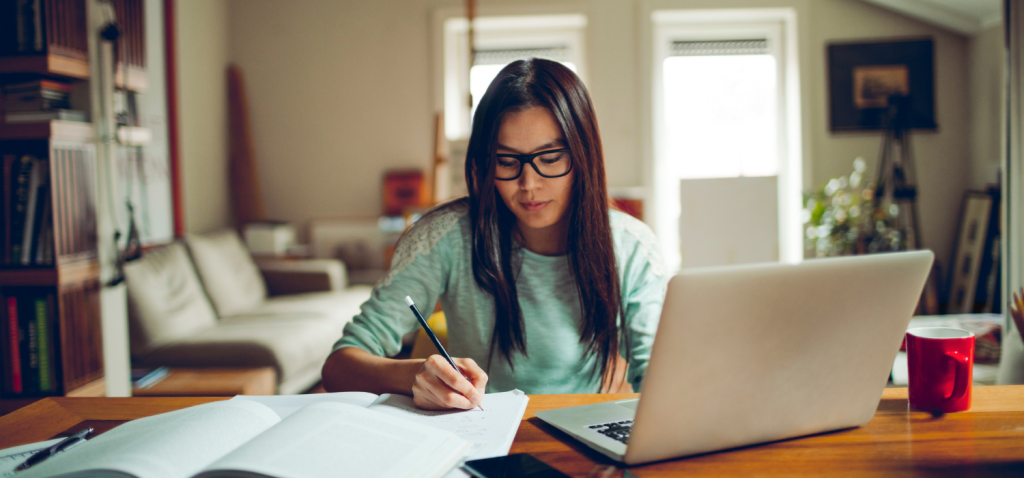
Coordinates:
column 438, row 386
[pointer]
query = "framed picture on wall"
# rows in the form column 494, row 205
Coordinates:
column 863, row 76
column 971, row 240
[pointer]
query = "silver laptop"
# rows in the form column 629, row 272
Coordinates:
column 752, row 354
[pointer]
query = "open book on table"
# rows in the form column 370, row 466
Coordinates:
column 324, row 435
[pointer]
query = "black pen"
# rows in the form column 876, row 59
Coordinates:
column 433, row 338
column 54, row 449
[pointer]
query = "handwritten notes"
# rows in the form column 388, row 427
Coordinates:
column 491, row 430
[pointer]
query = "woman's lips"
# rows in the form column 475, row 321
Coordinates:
column 534, row 206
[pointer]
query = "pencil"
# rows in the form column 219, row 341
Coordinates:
column 433, row 338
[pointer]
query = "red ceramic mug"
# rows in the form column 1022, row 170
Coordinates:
column 940, row 362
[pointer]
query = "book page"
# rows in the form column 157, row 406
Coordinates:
column 330, row 439
column 490, row 430
column 284, row 405
column 10, row 458
column 170, row 445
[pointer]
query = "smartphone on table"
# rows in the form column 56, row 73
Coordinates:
column 518, row 465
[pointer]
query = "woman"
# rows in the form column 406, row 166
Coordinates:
column 541, row 284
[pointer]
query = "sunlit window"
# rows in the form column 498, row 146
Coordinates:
column 721, row 110
column 489, row 63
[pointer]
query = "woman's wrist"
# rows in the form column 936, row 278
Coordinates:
column 352, row 369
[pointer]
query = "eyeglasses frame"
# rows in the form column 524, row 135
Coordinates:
column 525, row 159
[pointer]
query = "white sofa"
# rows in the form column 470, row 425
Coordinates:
column 204, row 302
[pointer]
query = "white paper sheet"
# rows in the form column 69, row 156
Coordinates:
column 328, row 439
column 491, row 430
column 10, row 458
column 169, row 445
column 284, row 405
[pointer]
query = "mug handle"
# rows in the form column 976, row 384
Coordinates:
column 960, row 379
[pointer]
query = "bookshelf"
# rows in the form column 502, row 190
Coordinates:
column 60, row 285
column 68, row 284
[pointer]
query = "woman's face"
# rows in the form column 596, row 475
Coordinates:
column 537, row 202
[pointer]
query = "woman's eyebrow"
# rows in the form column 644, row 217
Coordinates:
column 556, row 143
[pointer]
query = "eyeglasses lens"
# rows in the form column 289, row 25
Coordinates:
column 550, row 164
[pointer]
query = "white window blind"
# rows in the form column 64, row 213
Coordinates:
column 719, row 48
column 503, row 57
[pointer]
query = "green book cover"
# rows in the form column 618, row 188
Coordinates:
column 43, row 348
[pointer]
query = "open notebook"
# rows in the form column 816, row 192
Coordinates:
column 326, row 435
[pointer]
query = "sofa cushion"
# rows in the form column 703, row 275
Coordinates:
column 229, row 274
column 165, row 299
column 288, row 343
column 337, row 307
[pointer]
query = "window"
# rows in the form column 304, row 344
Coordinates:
column 501, row 40
column 721, row 109
column 725, row 107
column 488, row 63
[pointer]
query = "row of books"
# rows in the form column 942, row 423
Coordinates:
column 28, row 225
column 29, row 330
column 38, row 101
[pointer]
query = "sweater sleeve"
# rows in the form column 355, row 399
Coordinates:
column 645, row 280
column 420, row 269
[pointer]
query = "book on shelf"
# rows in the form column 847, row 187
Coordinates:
column 35, row 102
column 30, row 326
column 28, row 32
column 21, row 170
column 45, row 326
column 36, row 96
column 38, row 86
column 6, row 183
column 44, row 116
column 13, row 383
column 28, row 225
column 37, row 184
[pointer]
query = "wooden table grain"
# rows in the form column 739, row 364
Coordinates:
column 212, row 382
column 988, row 440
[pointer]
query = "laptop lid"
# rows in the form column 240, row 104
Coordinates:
column 751, row 354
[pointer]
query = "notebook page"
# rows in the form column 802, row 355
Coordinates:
column 490, row 430
column 170, row 445
column 334, row 439
column 284, row 405
column 10, row 458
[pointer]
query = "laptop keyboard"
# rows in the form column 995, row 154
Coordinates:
column 614, row 430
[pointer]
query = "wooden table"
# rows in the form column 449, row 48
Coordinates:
column 212, row 382
column 988, row 440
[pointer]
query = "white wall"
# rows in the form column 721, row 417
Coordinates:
column 341, row 91
column 202, row 49
column 338, row 93
column 987, row 57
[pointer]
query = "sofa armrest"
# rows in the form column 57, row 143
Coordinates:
column 297, row 277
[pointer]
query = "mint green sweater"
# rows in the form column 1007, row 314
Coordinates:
column 434, row 262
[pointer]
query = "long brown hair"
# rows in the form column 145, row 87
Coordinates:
column 519, row 86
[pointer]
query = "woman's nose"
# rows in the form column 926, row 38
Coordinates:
column 529, row 179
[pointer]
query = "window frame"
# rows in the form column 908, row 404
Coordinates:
column 778, row 26
column 493, row 31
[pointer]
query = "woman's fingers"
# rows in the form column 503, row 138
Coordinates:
column 436, row 395
column 438, row 385
column 473, row 373
column 454, row 378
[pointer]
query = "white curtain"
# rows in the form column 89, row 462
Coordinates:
column 1011, row 369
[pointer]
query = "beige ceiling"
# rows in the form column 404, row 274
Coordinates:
column 963, row 16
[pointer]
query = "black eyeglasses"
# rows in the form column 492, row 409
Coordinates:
column 553, row 163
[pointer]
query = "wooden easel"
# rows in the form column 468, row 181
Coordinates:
column 894, row 183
